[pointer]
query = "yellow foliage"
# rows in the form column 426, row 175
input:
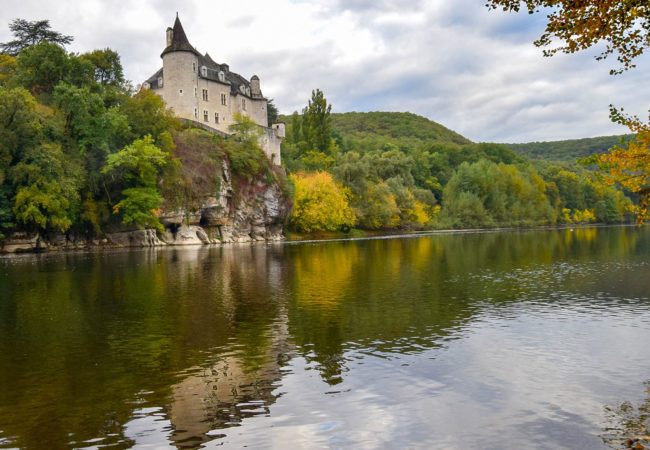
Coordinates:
column 319, row 204
column 630, row 167
column 419, row 213
column 8, row 66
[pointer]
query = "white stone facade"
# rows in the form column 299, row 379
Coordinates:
column 198, row 89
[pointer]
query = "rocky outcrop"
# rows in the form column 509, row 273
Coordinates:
column 135, row 238
column 245, row 211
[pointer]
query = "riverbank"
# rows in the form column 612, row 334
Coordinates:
column 21, row 243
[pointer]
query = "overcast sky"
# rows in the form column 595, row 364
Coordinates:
column 473, row 70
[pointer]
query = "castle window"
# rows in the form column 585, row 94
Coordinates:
column 205, row 115
column 194, row 92
column 223, row 99
column 222, row 76
column 216, row 117
column 160, row 81
column 205, row 95
column 204, row 71
column 194, row 67
column 180, row 91
column 243, row 104
column 196, row 113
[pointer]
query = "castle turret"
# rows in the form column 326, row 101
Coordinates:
column 181, row 73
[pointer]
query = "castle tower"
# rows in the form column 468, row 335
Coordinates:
column 180, row 72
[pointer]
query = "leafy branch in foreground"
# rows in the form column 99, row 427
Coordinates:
column 628, row 167
column 624, row 26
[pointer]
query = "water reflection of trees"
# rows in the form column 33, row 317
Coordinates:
column 88, row 340
column 405, row 295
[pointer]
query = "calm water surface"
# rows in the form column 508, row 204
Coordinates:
column 491, row 340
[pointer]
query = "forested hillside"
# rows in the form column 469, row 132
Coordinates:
column 569, row 150
column 383, row 170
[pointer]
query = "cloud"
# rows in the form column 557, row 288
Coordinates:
column 473, row 70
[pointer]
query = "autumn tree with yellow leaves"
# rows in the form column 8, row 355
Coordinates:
column 319, row 204
column 624, row 27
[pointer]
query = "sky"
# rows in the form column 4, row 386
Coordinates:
column 472, row 70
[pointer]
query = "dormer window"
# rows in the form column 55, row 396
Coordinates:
column 160, row 81
column 204, row 71
column 222, row 76
column 248, row 91
column 145, row 85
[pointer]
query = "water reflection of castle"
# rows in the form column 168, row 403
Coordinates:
column 238, row 381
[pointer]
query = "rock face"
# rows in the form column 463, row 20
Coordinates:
column 250, row 211
column 135, row 238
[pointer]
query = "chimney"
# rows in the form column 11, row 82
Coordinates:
column 255, row 86
column 170, row 36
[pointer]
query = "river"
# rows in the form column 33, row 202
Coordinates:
column 519, row 339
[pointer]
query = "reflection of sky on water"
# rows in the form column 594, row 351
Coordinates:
column 495, row 340
column 527, row 381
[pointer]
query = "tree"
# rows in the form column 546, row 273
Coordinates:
column 629, row 166
column 624, row 26
column 29, row 33
column 317, row 124
column 271, row 112
column 319, row 203
column 139, row 165
column 108, row 68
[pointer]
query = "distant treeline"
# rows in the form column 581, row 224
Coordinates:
column 569, row 150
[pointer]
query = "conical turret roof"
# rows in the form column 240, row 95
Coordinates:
column 179, row 40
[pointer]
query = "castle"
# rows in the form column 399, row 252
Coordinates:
column 202, row 91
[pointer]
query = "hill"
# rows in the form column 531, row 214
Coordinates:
column 404, row 130
column 568, row 150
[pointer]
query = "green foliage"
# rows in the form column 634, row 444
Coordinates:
column 42, row 67
column 272, row 112
column 107, row 65
column 246, row 157
column 568, row 150
column 28, row 33
column 317, row 124
column 140, row 165
column 42, row 205
column 507, row 196
column 140, row 206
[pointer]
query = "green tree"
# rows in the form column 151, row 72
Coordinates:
column 28, row 33
column 271, row 112
column 108, row 68
column 138, row 165
column 317, row 124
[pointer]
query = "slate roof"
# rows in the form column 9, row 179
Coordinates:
column 180, row 43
